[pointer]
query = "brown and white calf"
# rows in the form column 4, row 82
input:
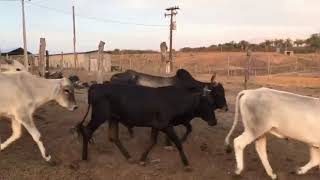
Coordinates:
column 283, row 114
column 22, row 93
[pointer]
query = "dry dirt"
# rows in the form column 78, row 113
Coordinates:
column 204, row 149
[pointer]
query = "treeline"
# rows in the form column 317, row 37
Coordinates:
column 309, row 45
column 131, row 51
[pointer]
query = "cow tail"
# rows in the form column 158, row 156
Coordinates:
column 90, row 94
column 85, row 116
column 236, row 119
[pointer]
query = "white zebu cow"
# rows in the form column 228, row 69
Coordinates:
column 22, row 93
column 12, row 65
column 283, row 114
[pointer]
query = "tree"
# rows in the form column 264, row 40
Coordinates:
column 244, row 45
column 314, row 41
column 288, row 43
column 116, row 51
column 299, row 42
column 268, row 44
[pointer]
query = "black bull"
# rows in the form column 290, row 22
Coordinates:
column 182, row 79
column 158, row 108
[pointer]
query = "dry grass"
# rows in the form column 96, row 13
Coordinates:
column 206, row 62
column 289, row 81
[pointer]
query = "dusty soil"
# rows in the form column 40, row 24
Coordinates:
column 204, row 148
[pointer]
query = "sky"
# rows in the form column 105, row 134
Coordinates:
column 141, row 24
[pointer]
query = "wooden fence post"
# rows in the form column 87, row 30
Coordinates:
column 120, row 62
column 130, row 63
column 269, row 66
column 101, row 69
column 61, row 61
column 42, row 51
column 246, row 73
column 89, row 63
column 296, row 66
column 228, row 65
column 0, row 59
column 47, row 61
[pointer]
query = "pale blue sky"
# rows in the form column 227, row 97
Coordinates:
column 199, row 23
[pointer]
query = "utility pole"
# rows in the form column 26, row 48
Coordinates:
column 25, row 52
column 75, row 58
column 173, row 12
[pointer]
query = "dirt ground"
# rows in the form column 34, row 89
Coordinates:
column 204, row 148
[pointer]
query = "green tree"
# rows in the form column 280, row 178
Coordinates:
column 299, row 42
column 244, row 45
column 288, row 43
column 314, row 41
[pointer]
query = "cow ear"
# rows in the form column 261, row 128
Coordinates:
column 213, row 77
column 206, row 91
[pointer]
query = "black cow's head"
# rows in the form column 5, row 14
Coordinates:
column 218, row 100
column 204, row 109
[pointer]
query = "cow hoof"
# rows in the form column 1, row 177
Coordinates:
column 299, row 171
column 237, row 172
column 74, row 165
column 169, row 148
column 52, row 162
column 273, row 176
column 188, row 168
column 131, row 161
column 47, row 158
column 228, row 149
column 142, row 163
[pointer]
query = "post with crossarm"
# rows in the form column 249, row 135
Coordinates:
column 172, row 12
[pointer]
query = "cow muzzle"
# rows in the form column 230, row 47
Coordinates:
column 225, row 108
column 73, row 108
column 212, row 123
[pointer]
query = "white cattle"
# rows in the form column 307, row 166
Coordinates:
column 283, row 114
column 22, row 93
column 12, row 65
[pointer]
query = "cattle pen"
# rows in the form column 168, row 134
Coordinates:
column 204, row 147
column 159, row 90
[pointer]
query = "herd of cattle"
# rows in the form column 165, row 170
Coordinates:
column 140, row 100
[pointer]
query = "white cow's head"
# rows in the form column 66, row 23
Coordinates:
column 12, row 65
column 65, row 95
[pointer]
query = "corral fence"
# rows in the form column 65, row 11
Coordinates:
column 232, row 66
column 260, row 64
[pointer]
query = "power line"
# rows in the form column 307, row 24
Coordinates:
column 96, row 18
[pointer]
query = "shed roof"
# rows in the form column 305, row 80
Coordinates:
column 15, row 51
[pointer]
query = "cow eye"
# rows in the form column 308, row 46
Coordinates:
column 67, row 91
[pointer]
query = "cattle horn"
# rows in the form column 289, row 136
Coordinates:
column 213, row 78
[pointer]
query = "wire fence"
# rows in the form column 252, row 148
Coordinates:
column 228, row 66
column 233, row 66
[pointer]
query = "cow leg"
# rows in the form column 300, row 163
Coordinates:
column 114, row 137
column 261, row 148
column 189, row 130
column 28, row 123
column 86, row 137
column 16, row 134
column 154, row 137
column 170, row 132
column 168, row 142
column 314, row 161
column 183, row 139
column 131, row 133
column 239, row 144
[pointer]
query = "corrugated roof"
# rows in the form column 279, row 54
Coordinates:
column 15, row 51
